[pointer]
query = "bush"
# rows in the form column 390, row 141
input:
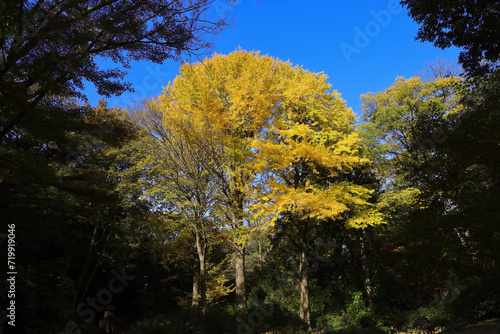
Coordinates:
column 430, row 318
column 479, row 301
column 217, row 320
column 161, row 324
column 487, row 308
column 356, row 315
column 257, row 318
column 329, row 322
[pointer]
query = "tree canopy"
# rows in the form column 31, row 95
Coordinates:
column 50, row 48
column 471, row 25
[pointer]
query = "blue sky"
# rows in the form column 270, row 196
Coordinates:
column 361, row 45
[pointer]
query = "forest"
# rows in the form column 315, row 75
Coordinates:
column 247, row 197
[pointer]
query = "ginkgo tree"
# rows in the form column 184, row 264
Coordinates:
column 279, row 142
column 306, row 151
column 223, row 102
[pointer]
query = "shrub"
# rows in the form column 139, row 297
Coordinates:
column 487, row 308
column 161, row 324
column 329, row 322
column 478, row 301
column 430, row 318
column 358, row 313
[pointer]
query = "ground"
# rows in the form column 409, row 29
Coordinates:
column 491, row 326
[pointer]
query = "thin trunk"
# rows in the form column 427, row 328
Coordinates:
column 463, row 236
column 85, row 268
column 239, row 263
column 201, row 258
column 366, row 271
column 196, row 284
column 304, row 312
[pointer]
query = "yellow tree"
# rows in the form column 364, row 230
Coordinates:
column 174, row 179
column 279, row 143
column 219, row 105
column 305, row 152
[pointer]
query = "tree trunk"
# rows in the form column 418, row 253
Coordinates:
column 239, row 263
column 196, row 284
column 201, row 249
column 85, row 267
column 304, row 312
column 239, row 252
column 366, row 271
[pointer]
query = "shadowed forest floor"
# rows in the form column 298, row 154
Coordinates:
column 491, row 326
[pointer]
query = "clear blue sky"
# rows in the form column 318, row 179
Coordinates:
column 361, row 45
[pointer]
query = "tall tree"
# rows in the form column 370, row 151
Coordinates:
column 471, row 25
column 422, row 139
column 49, row 48
column 468, row 165
column 272, row 131
column 227, row 100
column 68, row 235
column 403, row 126
column 306, row 151
column 177, row 180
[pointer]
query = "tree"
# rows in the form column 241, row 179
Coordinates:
column 223, row 102
column 436, row 155
column 50, row 48
column 471, row 25
column 403, row 126
column 177, row 181
column 277, row 141
column 69, row 235
column 306, row 152
column 468, row 165
column 440, row 68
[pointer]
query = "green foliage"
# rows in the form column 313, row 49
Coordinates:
column 398, row 125
column 487, row 308
column 478, row 300
column 261, row 318
column 163, row 324
column 330, row 321
column 430, row 318
column 357, row 313
column 468, row 25
column 434, row 147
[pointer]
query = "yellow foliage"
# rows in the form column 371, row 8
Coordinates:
column 365, row 218
column 217, row 283
column 398, row 198
column 280, row 127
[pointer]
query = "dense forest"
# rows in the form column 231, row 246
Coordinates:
column 246, row 198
